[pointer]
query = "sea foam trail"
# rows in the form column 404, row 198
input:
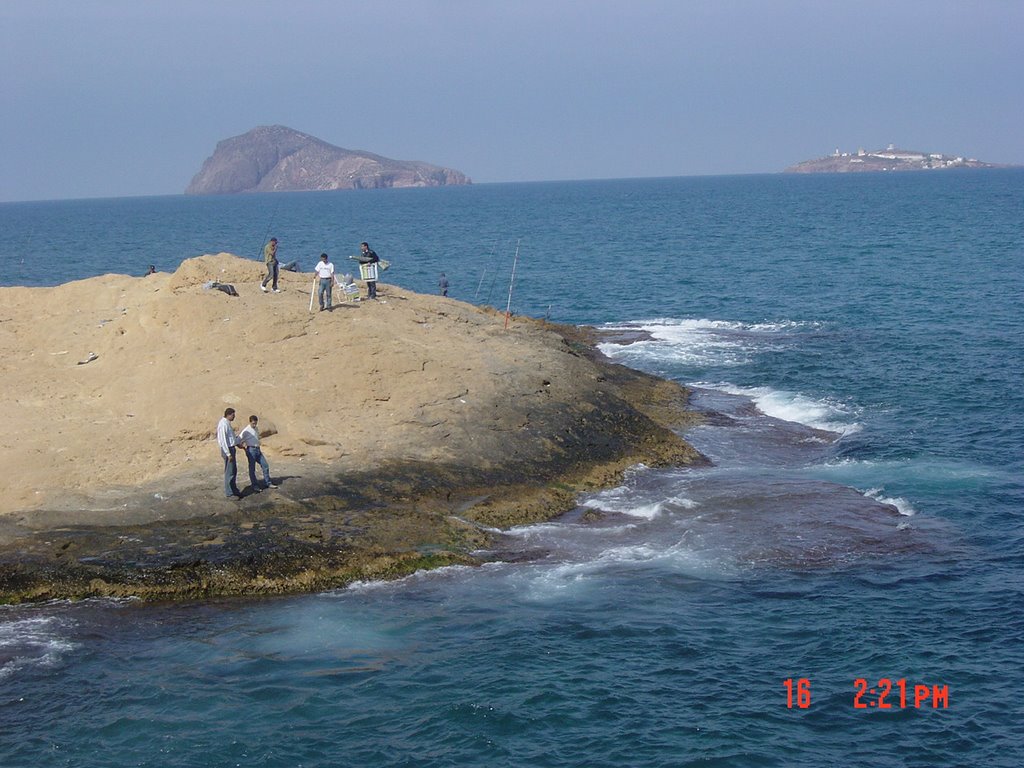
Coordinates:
column 701, row 342
column 624, row 501
column 687, row 342
column 671, row 343
column 824, row 414
column 919, row 474
column 546, row 581
column 903, row 506
column 34, row 641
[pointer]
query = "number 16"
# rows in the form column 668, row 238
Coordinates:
column 803, row 692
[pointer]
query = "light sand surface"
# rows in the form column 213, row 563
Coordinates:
column 405, row 377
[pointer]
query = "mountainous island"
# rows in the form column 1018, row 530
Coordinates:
column 889, row 159
column 279, row 159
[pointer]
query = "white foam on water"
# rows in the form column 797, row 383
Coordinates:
column 825, row 414
column 784, row 326
column 416, row 577
column 697, row 341
column 913, row 478
column 544, row 531
column 546, row 582
column 646, row 511
column 623, row 500
column 34, row 641
column 533, row 530
column 921, row 472
column 691, row 342
column 666, row 327
column 903, row 506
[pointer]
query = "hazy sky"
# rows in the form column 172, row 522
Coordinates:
column 128, row 97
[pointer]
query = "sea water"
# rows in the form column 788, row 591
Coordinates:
column 843, row 584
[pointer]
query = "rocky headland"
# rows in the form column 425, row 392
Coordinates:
column 403, row 433
column 278, row 159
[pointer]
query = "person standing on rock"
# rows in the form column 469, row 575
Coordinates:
column 249, row 439
column 227, row 441
column 442, row 285
column 325, row 271
column 270, row 259
column 366, row 256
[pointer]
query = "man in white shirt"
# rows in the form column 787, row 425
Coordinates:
column 325, row 271
column 249, row 439
column 226, row 440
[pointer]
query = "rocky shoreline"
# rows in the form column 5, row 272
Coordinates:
column 332, row 522
column 325, row 533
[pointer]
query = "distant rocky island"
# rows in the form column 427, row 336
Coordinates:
column 279, row 159
column 888, row 159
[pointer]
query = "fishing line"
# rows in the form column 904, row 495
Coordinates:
column 270, row 223
column 494, row 279
column 490, row 261
column 512, row 279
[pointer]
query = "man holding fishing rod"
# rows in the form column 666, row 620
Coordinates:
column 367, row 257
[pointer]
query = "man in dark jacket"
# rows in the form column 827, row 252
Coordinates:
column 369, row 257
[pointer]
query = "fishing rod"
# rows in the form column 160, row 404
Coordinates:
column 490, row 261
column 494, row 279
column 270, row 223
column 28, row 243
column 475, row 295
column 508, row 307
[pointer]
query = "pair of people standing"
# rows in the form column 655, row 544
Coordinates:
column 249, row 439
column 325, row 274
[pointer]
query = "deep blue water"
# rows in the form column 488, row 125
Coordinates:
column 863, row 337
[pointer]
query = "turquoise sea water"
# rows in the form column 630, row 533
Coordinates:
column 861, row 342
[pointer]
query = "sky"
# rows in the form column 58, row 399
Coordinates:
column 112, row 98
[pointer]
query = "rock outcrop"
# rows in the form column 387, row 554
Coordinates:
column 278, row 159
column 401, row 432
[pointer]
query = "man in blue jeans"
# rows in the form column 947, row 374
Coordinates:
column 325, row 272
column 249, row 438
column 227, row 441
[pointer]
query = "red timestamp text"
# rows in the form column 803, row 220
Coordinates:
column 886, row 693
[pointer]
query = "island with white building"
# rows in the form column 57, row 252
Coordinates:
column 889, row 159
